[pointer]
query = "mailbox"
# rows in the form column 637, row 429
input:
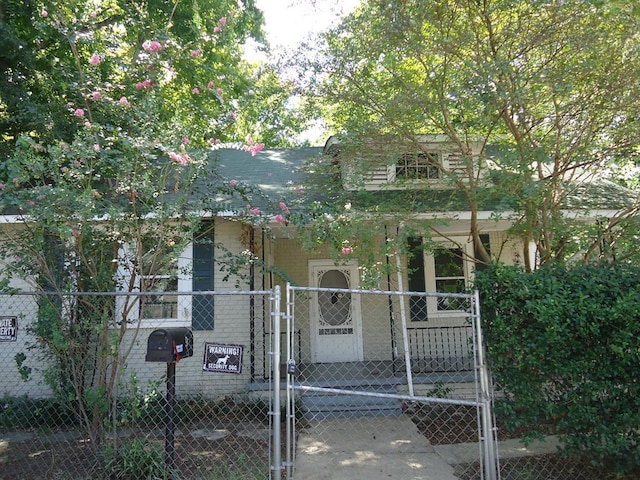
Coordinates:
column 169, row 345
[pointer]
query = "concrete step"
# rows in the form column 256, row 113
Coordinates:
column 321, row 405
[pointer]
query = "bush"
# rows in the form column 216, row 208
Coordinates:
column 564, row 347
column 24, row 413
column 138, row 459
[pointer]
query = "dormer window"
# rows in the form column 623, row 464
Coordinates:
column 418, row 166
column 434, row 162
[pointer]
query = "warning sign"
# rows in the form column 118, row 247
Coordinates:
column 222, row 358
column 8, row 329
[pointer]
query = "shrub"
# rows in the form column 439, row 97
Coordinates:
column 138, row 459
column 564, row 346
column 24, row 413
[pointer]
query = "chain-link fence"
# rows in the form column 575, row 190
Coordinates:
column 90, row 389
column 87, row 391
column 362, row 354
column 354, row 353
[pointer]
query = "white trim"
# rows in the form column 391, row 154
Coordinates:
column 466, row 245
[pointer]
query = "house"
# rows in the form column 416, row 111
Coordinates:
column 333, row 327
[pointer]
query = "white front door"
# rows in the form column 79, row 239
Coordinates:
column 336, row 325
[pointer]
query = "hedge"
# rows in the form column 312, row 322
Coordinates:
column 563, row 344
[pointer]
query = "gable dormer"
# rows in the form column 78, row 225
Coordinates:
column 431, row 161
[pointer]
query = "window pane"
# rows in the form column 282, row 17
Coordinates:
column 450, row 286
column 423, row 166
column 160, row 306
column 449, row 263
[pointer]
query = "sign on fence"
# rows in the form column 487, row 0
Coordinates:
column 8, row 329
column 222, row 358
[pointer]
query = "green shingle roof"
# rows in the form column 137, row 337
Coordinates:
column 278, row 171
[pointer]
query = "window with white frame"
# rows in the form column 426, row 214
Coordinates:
column 449, row 275
column 442, row 269
column 159, row 279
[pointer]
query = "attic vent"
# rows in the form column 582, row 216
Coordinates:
column 418, row 166
column 379, row 176
column 455, row 163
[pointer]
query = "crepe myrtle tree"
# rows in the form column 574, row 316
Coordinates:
column 133, row 94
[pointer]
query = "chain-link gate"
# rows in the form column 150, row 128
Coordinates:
column 87, row 391
column 388, row 353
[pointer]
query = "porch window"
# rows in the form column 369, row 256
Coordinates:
column 443, row 270
column 449, row 275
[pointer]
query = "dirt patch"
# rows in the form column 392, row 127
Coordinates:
column 208, row 452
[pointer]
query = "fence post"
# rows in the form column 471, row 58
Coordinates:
column 290, row 411
column 487, row 440
column 405, row 337
column 276, row 467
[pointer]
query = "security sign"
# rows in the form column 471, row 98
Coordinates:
column 8, row 329
column 222, row 358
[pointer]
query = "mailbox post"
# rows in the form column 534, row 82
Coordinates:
column 169, row 345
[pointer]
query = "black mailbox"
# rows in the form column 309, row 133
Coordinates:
column 169, row 345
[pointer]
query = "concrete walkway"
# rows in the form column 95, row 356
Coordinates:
column 389, row 448
column 368, row 449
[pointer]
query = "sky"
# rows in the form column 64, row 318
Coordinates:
column 287, row 22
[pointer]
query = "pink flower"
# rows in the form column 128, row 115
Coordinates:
column 96, row 147
column 214, row 141
column 253, row 149
column 233, row 183
column 93, row 14
column 210, row 85
column 195, row 90
column 219, row 91
column 217, row 29
column 347, row 250
column 284, row 207
column 79, row 112
column 96, row 95
column 144, row 84
column 44, row 13
column 223, row 21
column 185, row 140
column 182, row 159
column 255, row 211
column 298, row 189
column 95, row 59
column 152, row 46
column 87, row 124
column 124, row 102
column 279, row 218
column 3, row 186
column 196, row 53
